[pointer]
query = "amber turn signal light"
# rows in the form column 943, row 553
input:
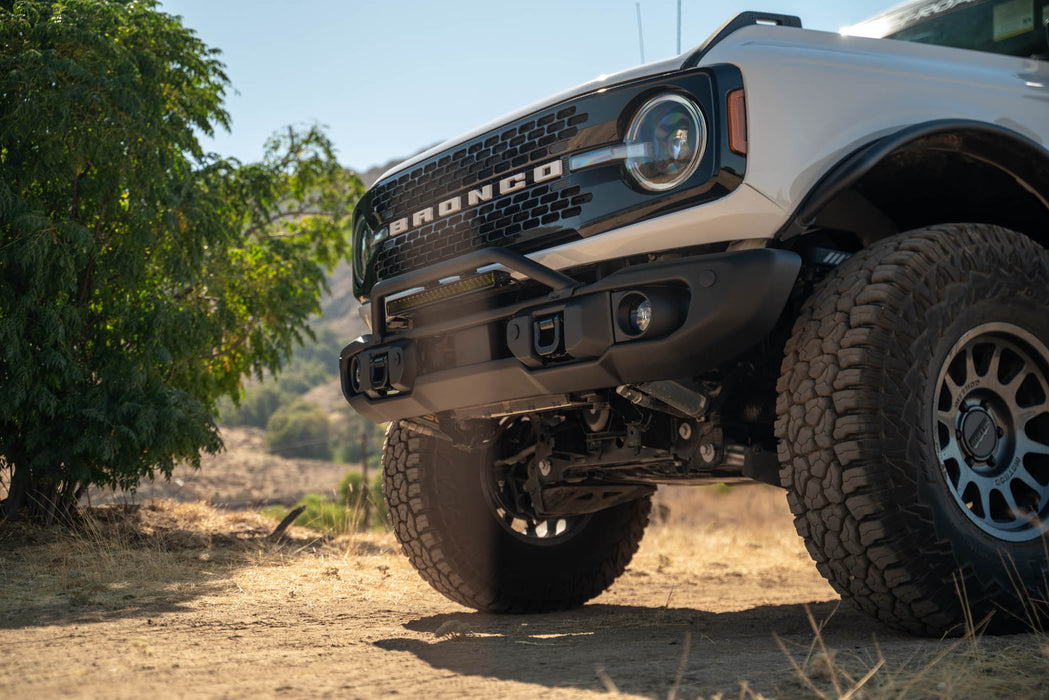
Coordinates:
column 737, row 122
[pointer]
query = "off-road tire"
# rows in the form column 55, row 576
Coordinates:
column 442, row 518
column 858, row 441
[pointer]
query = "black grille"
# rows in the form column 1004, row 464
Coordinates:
column 503, row 221
column 528, row 143
column 497, row 223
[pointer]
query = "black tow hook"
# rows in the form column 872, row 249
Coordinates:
column 381, row 370
column 546, row 336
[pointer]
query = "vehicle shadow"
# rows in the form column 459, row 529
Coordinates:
column 639, row 650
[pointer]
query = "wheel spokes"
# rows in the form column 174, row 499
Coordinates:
column 997, row 500
column 991, row 425
column 1027, row 414
column 970, row 367
column 1029, row 446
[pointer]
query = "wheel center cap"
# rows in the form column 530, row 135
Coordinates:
column 979, row 433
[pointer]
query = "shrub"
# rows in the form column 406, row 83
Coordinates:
column 260, row 402
column 299, row 430
column 344, row 515
column 321, row 514
column 346, row 437
column 352, row 495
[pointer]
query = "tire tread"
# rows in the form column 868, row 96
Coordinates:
column 846, row 451
column 419, row 520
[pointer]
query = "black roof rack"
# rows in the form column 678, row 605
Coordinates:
column 743, row 19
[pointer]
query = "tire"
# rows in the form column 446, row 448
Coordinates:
column 913, row 422
column 442, row 512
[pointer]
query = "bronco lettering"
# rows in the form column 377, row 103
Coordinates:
column 507, row 185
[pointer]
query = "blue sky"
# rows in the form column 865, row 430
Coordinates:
column 388, row 77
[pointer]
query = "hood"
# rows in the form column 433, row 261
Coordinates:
column 656, row 68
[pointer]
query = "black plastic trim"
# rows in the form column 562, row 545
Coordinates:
column 743, row 19
column 850, row 170
column 559, row 284
column 735, row 299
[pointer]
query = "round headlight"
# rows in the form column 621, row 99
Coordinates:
column 365, row 242
column 665, row 142
column 361, row 233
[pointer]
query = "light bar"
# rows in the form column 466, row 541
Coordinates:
column 446, row 291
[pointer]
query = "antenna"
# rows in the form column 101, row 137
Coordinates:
column 640, row 35
column 679, row 27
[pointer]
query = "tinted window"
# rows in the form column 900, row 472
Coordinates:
column 1014, row 27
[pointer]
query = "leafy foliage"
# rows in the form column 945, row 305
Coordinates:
column 348, row 430
column 321, row 513
column 260, row 401
column 299, row 429
column 140, row 279
column 353, row 494
column 313, row 364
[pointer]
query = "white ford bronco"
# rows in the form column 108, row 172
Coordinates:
column 814, row 260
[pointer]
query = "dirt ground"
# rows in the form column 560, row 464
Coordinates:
column 179, row 600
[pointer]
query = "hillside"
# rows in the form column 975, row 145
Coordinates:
column 245, row 474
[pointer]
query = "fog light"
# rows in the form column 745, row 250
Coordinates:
column 640, row 315
column 634, row 314
column 646, row 313
column 355, row 375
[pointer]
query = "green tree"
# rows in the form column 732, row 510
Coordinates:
column 299, row 429
column 316, row 362
column 140, row 278
column 347, row 430
column 260, row 401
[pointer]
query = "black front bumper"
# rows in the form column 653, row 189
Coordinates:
column 707, row 309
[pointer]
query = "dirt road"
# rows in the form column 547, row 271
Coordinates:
column 176, row 600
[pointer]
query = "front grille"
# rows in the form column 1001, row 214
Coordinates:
column 520, row 221
column 528, row 143
column 498, row 223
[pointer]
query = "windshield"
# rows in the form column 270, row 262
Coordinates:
column 1014, row 27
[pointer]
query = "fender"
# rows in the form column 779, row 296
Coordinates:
column 1023, row 159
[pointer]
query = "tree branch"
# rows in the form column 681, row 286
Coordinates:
column 293, row 213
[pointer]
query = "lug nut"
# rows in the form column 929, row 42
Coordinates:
column 707, row 452
column 684, row 430
column 545, row 467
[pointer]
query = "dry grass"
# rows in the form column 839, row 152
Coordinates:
column 185, row 559
column 121, row 556
column 244, row 474
column 969, row 667
column 706, row 531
